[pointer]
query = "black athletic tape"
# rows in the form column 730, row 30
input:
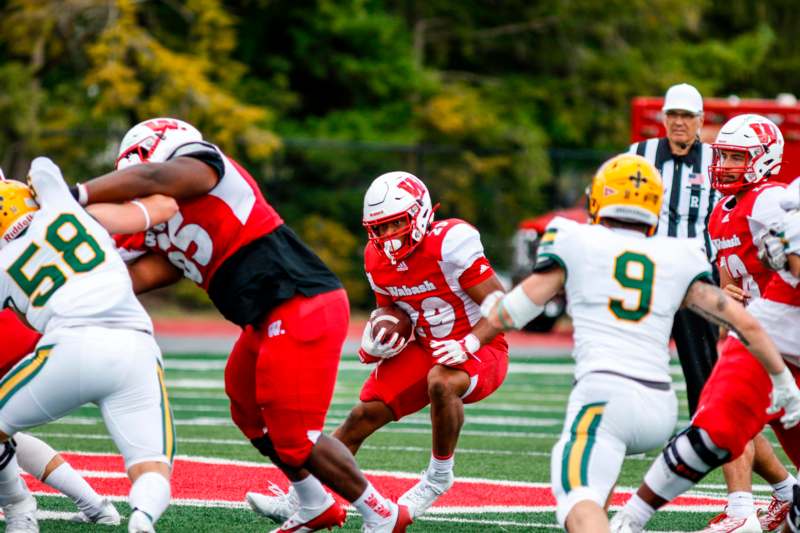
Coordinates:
column 702, row 451
column 678, row 465
column 7, row 455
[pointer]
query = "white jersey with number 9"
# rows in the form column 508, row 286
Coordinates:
column 623, row 290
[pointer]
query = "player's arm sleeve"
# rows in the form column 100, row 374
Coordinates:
column 48, row 185
column 205, row 152
column 462, row 248
column 767, row 212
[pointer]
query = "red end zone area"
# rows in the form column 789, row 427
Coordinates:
column 213, row 481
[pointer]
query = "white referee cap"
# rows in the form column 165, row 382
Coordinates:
column 684, row 97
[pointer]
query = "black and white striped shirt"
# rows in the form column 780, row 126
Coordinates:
column 688, row 196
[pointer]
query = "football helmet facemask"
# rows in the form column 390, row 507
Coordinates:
column 761, row 143
column 627, row 188
column 17, row 206
column 154, row 141
column 397, row 197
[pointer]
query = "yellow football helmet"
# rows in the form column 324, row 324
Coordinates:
column 16, row 209
column 627, row 188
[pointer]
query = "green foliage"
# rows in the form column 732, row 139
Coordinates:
column 317, row 97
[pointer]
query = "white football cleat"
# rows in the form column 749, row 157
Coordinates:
column 107, row 516
column 421, row 496
column 278, row 507
column 21, row 517
column 139, row 522
column 624, row 523
column 728, row 524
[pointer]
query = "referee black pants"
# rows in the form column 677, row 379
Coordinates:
column 696, row 340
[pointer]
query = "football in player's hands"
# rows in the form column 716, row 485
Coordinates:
column 392, row 320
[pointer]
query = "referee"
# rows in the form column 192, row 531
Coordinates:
column 683, row 162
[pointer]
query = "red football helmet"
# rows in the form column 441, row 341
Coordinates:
column 397, row 196
column 761, row 145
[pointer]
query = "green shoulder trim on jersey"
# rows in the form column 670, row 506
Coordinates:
column 21, row 374
column 548, row 260
column 703, row 276
column 578, row 451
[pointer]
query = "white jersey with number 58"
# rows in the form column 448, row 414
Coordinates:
column 623, row 289
column 64, row 271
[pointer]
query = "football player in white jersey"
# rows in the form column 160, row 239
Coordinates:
column 60, row 270
column 623, row 287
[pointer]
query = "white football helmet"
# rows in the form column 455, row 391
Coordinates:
column 154, row 140
column 762, row 143
column 397, row 196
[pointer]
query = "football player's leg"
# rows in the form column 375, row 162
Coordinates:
column 303, row 358
column 136, row 410
column 768, row 466
column 607, row 417
column 41, row 461
column 395, row 388
column 732, row 410
column 33, row 392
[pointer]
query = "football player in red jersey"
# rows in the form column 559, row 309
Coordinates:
column 733, row 403
column 35, row 456
column 438, row 274
column 737, row 226
column 292, row 309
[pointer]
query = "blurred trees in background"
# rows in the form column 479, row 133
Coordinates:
column 317, row 97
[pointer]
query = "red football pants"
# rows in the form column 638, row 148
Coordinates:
column 280, row 376
column 401, row 382
column 733, row 405
column 18, row 340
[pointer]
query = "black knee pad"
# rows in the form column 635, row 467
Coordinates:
column 9, row 449
column 690, row 467
column 264, row 445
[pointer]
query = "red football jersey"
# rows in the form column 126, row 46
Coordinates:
column 731, row 232
column 430, row 283
column 209, row 228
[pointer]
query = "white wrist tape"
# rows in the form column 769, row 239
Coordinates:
column 141, row 206
column 519, row 307
column 472, row 343
column 783, row 380
column 83, row 194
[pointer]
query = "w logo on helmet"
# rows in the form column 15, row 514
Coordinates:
column 767, row 132
column 413, row 187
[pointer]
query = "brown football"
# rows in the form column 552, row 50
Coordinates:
column 393, row 319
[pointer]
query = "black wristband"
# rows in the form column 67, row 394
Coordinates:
column 73, row 190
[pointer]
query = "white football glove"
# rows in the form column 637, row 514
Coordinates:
column 772, row 250
column 452, row 352
column 376, row 347
column 785, row 395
